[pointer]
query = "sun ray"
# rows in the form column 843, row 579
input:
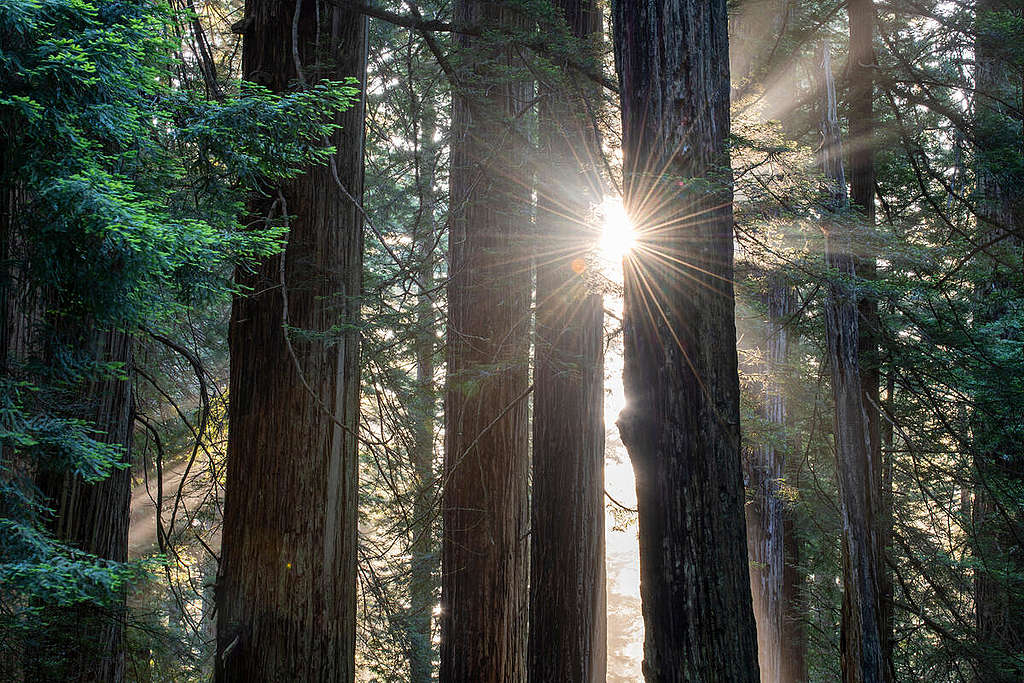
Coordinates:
column 649, row 297
column 672, row 262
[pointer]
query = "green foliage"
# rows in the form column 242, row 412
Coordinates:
column 136, row 185
column 58, row 575
column 950, row 293
column 124, row 207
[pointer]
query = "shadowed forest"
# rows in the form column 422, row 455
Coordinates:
column 512, row 341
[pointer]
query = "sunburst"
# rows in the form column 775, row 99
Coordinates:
column 618, row 236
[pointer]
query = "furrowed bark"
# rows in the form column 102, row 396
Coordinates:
column 82, row 642
column 862, row 193
column 567, row 575
column 286, row 590
column 681, row 423
column 769, row 526
column 86, row 643
column 484, row 507
column 998, row 520
column 862, row 659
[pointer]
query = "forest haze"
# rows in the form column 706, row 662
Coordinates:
column 512, row 341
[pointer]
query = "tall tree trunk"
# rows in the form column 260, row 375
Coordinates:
column 768, row 522
column 568, row 625
column 422, row 551
column 86, row 643
column 862, row 193
column 484, row 509
column 862, row 658
column 998, row 518
column 286, row 592
column 793, row 667
column 681, row 422
column 771, row 544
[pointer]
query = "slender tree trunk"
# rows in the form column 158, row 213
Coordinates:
column 862, row 193
column 681, row 423
column 862, row 658
column 567, row 576
column 793, row 667
column 754, row 27
column 998, row 519
column 286, row 591
column 484, row 509
column 423, row 555
column 771, row 544
column 767, row 520
column 17, row 298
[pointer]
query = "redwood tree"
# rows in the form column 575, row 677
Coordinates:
column 93, row 517
column 567, row 578
column 681, row 422
column 862, row 194
column 770, row 541
column 286, row 589
column 861, row 655
column 484, row 507
column 998, row 523
column 755, row 28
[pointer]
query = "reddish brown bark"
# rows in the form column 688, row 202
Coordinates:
column 862, row 193
column 793, row 667
column 86, row 643
column 286, row 590
column 567, row 577
column 861, row 643
column 82, row 642
column 484, row 508
column 998, row 520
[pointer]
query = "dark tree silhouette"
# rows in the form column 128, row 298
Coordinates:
column 681, row 422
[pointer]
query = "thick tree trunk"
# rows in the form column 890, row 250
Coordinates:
column 998, row 518
column 86, row 643
column 286, row 591
column 567, row 576
column 862, row 194
column 862, row 658
column 484, row 509
column 681, row 423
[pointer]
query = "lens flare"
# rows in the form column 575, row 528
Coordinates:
column 617, row 234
